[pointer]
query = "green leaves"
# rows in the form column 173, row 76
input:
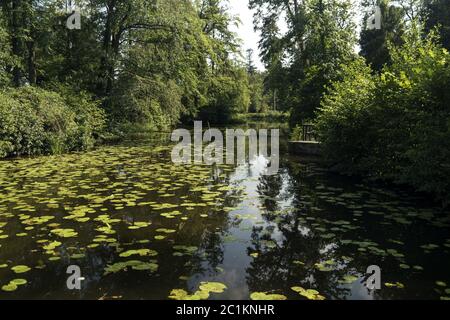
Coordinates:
column 205, row 289
column 266, row 296
column 140, row 252
column 133, row 264
column 310, row 294
column 20, row 269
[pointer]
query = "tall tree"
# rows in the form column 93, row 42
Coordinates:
column 320, row 37
column 374, row 43
column 437, row 14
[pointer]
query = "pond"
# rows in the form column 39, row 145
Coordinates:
column 140, row 227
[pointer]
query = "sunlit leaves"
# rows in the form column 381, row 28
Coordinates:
column 205, row 289
column 267, row 296
column 309, row 294
column 140, row 252
column 20, row 269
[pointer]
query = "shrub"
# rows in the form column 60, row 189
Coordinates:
column 36, row 121
column 344, row 120
column 395, row 126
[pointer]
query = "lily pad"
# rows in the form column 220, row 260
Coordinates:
column 267, row 296
column 20, row 269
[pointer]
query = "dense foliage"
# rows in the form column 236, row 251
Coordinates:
column 395, row 125
column 148, row 64
column 36, row 121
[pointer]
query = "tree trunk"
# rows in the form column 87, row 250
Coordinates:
column 15, row 41
column 31, row 63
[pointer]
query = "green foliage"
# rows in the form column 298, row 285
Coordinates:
column 305, row 59
column 227, row 95
column 5, row 53
column 36, row 121
column 374, row 43
column 344, row 118
column 149, row 64
column 437, row 14
column 395, row 126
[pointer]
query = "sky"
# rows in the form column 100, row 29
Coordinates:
column 245, row 31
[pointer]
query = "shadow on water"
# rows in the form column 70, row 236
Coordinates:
column 139, row 226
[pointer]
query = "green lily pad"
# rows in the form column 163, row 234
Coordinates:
column 215, row 287
column 19, row 282
column 266, row 296
column 9, row 287
column 140, row 252
column 20, row 269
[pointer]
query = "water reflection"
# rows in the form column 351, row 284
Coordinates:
column 254, row 233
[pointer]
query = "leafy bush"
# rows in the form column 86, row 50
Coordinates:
column 36, row 121
column 395, row 126
column 344, row 120
column 154, row 104
column 227, row 95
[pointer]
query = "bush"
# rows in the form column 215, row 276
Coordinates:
column 344, row 120
column 36, row 121
column 395, row 126
column 227, row 96
column 153, row 104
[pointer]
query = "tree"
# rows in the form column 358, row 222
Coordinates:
column 251, row 69
column 319, row 39
column 437, row 14
column 374, row 43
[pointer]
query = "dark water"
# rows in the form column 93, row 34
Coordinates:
column 226, row 226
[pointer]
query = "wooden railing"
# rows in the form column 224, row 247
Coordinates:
column 308, row 133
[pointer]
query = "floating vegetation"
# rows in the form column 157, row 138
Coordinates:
column 140, row 252
column 20, row 269
column 215, row 287
column 52, row 245
column 139, row 225
column 65, row 233
column 347, row 279
column 267, row 296
column 181, row 250
column 394, row 285
column 14, row 284
column 9, row 287
column 133, row 264
column 167, row 231
column 205, row 289
column 326, row 266
column 309, row 294
column 117, row 202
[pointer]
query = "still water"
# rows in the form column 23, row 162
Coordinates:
column 140, row 227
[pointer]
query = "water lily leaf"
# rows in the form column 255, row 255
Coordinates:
column 266, row 296
column 19, row 282
column 140, row 252
column 394, row 285
column 9, row 287
column 20, row 269
column 347, row 279
column 309, row 294
column 215, row 287
column 52, row 245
